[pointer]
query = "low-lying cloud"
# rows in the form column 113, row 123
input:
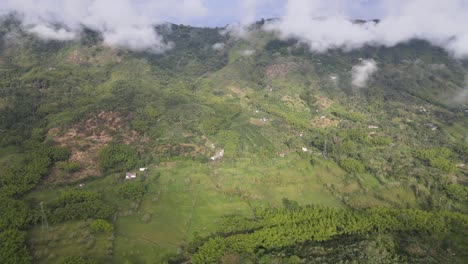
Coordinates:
column 218, row 46
column 240, row 29
column 247, row 52
column 462, row 96
column 122, row 23
column 362, row 72
column 321, row 24
column 47, row 32
column 325, row 25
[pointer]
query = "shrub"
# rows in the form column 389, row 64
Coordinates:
column 78, row 204
column 100, row 226
column 131, row 190
column 14, row 214
column 352, row 165
column 13, row 248
column 443, row 165
column 381, row 141
column 117, row 157
column 68, row 166
column 437, row 158
column 59, row 153
column 457, row 192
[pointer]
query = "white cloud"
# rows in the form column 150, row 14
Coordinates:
column 218, row 46
column 247, row 17
column 248, row 53
column 322, row 24
column 462, row 96
column 123, row 23
column 46, row 32
column 362, row 72
column 248, row 13
column 325, row 25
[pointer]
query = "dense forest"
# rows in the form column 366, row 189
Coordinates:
column 265, row 156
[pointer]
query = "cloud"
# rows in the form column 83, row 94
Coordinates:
column 247, row 17
column 248, row 53
column 47, row 32
column 248, row 12
column 362, row 72
column 325, row 25
column 123, row 23
column 462, row 96
column 321, row 24
column 218, row 46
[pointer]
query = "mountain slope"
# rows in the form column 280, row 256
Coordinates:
column 293, row 128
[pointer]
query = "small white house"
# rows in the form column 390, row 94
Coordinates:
column 218, row 155
column 304, row 149
column 130, row 175
column 143, row 169
column 431, row 126
column 373, row 127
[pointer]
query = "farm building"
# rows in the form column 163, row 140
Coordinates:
column 130, row 175
column 218, row 155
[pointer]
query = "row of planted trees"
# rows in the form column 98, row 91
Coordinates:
column 274, row 229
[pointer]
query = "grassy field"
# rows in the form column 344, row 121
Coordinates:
column 69, row 239
column 186, row 198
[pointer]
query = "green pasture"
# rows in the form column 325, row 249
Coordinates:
column 185, row 199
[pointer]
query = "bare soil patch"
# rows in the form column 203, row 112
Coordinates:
column 87, row 138
column 324, row 122
column 322, row 102
column 281, row 69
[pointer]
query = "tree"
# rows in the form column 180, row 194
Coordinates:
column 100, row 225
column 68, row 166
column 78, row 204
column 131, row 190
column 352, row 166
column 117, row 157
column 12, row 247
column 14, row 214
column 457, row 192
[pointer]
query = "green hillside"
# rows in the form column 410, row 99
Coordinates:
column 315, row 170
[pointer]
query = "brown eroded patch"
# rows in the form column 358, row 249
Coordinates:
column 322, row 102
column 97, row 54
column 183, row 149
column 87, row 138
column 324, row 122
column 77, row 57
column 281, row 69
column 239, row 91
column 257, row 121
column 106, row 55
column 294, row 102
